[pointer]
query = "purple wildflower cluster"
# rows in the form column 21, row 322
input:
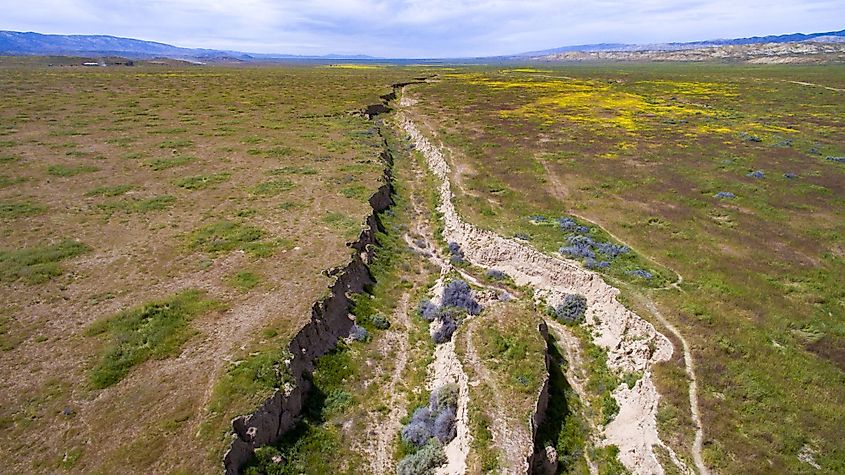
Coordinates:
column 437, row 420
column 588, row 249
column 457, row 300
column 642, row 273
column 571, row 309
column 457, row 254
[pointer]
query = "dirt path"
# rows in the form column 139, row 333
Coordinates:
column 802, row 83
column 632, row 343
column 395, row 345
column 689, row 363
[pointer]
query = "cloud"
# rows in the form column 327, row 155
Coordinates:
column 419, row 28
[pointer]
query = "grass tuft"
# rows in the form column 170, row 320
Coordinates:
column 153, row 331
column 39, row 264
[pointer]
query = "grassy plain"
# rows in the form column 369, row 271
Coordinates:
column 638, row 153
column 163, row 232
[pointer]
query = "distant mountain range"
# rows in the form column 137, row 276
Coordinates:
column 14, row 43
column 827, row 37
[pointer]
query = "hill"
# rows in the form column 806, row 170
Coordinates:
column 16, row 43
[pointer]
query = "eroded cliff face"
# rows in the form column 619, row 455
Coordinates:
column 329, row 322
column 534, row 460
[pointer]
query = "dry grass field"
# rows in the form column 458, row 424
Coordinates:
column 165, row 230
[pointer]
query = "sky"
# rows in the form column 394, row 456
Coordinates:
column 419, row 28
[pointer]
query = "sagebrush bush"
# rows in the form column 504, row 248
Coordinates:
column 417, row 433
column 380, row 322
column 443, row 397
column 436, row 420
column 494, row 274
column 641, row 273
column 457, row 254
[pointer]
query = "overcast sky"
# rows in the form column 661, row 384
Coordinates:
column 418, row 28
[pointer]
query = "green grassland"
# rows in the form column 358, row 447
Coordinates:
column 638, row 153
column 163, row 233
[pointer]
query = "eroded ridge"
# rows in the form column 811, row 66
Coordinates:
column 632, row 344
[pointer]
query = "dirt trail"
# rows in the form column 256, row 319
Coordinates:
column 384, row 429
column 632, row 343
column 802, row 83
column 689, row 364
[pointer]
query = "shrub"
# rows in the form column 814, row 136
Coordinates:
column 591, row 263
column 427, row 310
column 612, row 250
column 581, row 249
column 749, row 138
column 447, row 328
column 494, row 274
column 458, row 294
column 423, row 462
column 642, row 273
column 567, row 224
column 790, row 175
column 756, row 174
column 359, row 333
column 416, row 433
column 456, row 252
column 836, row 159
column 724, row 195
column 505, row 297
column 571, row 309
column 444, row 397
column 444, row 426
column 380, row 322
